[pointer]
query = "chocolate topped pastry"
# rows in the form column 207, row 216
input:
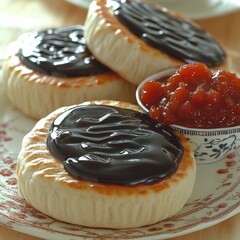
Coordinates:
column 153, row 39
column 114, row 145
column 48, row 69
column 105, row 164
column 179, row 38
column 60, row 52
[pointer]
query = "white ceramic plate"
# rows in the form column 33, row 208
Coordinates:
column 201, row 9
column 193, row 9
column 216, row 195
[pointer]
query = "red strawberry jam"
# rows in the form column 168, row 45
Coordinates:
column 194, row 97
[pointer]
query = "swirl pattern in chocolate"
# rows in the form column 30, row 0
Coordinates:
column 167, row 33
column 113, row 145
column 60, row 52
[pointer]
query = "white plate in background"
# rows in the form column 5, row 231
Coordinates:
column 195, row 9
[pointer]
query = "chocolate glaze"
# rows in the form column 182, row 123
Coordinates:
column 171, row 35
column 60, row 52
column 113, row 145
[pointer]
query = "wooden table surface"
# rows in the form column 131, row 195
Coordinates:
column 20, row 16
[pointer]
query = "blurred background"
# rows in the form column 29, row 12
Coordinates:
column 219, row 17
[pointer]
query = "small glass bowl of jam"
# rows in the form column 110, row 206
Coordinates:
column 201, row 103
